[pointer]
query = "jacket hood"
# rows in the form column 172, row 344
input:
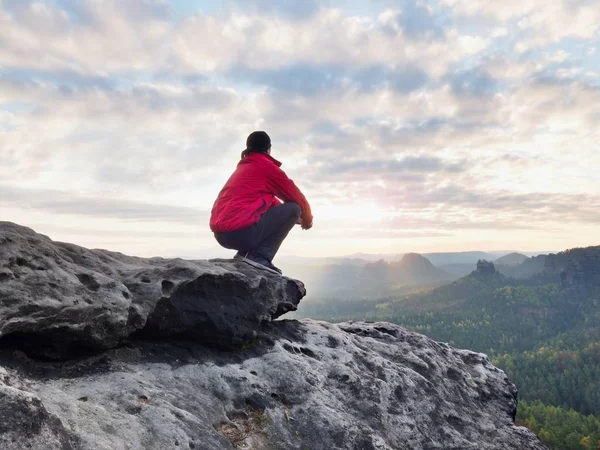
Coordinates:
column 254, row 156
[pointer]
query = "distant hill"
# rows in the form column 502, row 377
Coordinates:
column 459, row 270
column 462, row 264
column 518, row 265
column 320, row 261
column 540, row 325
column 453, row 260
column 487, row 286
column 578, row 266
column 368, row 280
column 487, row 309
column 357, row 277
column 528, row 268
column 437, row 258
column 382, row 278
column 452, row 296
column 417, row 269
column 374, row 257
column 512, row 259
column 459, row 264
column 445, row 258
column 325, row 280
column 454, row 264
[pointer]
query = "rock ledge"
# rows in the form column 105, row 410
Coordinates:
column 58, row 300
column 279, row 385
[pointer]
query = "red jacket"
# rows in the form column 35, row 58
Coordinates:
column 252, row 189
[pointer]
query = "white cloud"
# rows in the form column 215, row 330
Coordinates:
column 45, row 38
column 499, row 32
column 501, row 11
column 539, row 23
column 558, row 57
column 504, row 67
column 545, row 25
column 129, row 115
column 330, row 37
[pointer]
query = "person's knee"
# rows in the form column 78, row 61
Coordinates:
column 295, row 210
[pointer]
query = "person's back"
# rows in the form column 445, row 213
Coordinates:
column 247, row 215
column 245, row 196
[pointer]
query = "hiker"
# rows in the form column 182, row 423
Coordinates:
column 248, row 215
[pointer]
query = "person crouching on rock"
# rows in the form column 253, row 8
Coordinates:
column 248, row 215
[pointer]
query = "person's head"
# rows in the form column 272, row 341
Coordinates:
column 257, row 142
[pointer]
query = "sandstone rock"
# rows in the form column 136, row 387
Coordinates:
column 25, row 422
column 280, row 385
column 485, row 267
column 58, row 299
column 578, row 267
column 303, row 385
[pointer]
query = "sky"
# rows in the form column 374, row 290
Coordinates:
column 423, row 126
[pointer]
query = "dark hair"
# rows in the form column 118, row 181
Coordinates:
column 257, row 142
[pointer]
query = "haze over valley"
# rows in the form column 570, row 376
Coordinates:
column 372, row 276
column 538, row 317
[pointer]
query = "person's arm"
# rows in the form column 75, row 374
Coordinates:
column 284, row 188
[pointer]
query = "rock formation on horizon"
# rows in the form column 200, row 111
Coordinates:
column 485, row 268
column 99, row 350
column 576, row 267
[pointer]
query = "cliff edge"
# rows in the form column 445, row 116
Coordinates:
column 99, row 350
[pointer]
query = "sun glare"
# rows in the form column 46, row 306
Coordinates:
column 368, row 212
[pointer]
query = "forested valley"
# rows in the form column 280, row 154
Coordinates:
column 543, row 331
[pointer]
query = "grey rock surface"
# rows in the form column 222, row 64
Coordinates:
column 304, row 385
column 25, row 422
column 160, row 378
column 58, row 299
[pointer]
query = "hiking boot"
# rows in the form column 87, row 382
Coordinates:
column 259, row 262
column 272, row 267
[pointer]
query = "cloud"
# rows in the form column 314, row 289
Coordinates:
column 459, row 221
column 453, row 118
column 162, row 132
column 328, row 38
column 289, row 9
column 59, row 202
column 312, row 80
column 534, row 206
column 506, row 10
column 418, row 21
column 87, row 36
column 67, row 81
column 131, row 233
column 132, row 36
column 544, row 26
column 538, row 23
column 400, row 79
column 383, row 168
column 473, row 82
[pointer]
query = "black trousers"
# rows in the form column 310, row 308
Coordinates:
column 264, row 238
